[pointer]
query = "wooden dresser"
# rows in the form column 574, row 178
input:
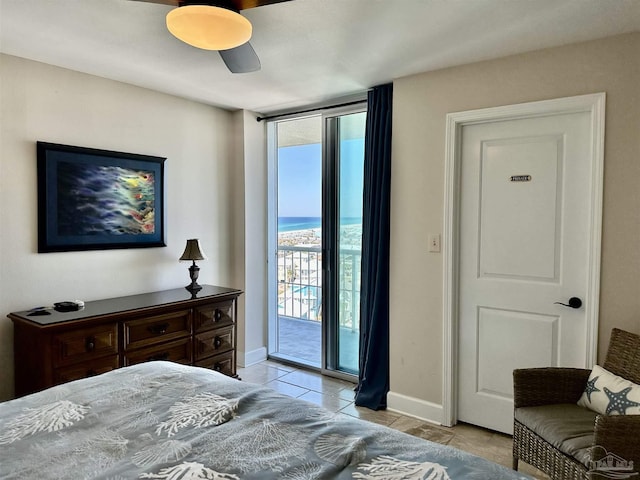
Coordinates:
column 107, row 334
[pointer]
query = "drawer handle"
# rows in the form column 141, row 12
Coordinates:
column 90, row 344
column 218, row 367
column 217, row 342
column 158, row 329
column 217, row 316
column 159, row 356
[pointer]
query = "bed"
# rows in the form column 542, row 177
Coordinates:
column 162, row 420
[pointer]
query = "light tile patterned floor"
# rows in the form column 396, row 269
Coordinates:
column 337, row 396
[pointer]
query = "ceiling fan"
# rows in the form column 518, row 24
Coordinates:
column 216, row 25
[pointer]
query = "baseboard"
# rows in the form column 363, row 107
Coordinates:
column 414, row 407
column 254, row 356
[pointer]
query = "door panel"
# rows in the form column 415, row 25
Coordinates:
column 496, row 359
column 519, row 213
column 524, row 245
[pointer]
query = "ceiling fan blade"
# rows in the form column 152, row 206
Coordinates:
column 234, row 4
column 245, row 4
column 172, row 3
column 242, row 59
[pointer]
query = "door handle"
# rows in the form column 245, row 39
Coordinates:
column 574, row 302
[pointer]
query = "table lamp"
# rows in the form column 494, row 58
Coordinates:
column 192, row 252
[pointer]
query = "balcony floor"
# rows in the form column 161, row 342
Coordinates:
column 302, row 339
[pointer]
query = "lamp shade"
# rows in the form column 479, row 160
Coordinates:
column 192, row 251
column 209, row 27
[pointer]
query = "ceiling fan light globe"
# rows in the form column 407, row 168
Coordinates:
column 208, row 27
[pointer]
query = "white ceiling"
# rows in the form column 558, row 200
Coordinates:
column 311, row 50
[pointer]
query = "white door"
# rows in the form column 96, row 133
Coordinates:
column 524, row 239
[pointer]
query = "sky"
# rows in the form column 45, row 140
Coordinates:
column 300, row 179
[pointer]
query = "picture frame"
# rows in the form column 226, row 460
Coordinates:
column 91, row 199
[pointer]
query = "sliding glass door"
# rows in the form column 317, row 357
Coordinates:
column 297, row 323
column 317, row 175
column 344, row 167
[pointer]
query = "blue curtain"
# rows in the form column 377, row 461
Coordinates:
column 373, row 381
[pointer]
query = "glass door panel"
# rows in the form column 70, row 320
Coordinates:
column 350, row 186
column 344, row 171
column 299, row 257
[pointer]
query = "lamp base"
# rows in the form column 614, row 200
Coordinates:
column 194, row 270
column 194, row 287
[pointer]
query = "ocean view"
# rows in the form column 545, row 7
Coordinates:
column 290, row 224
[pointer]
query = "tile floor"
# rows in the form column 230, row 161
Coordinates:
column 337, row 396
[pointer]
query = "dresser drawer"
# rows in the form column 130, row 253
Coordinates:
column 85, row 344
column 213, row 342
column 215, row 315
column 178, row 351
column 160, row 328
column 84, row 370
column 223, row 363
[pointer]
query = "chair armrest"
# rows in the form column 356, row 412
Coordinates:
column 547, row 386
column 618, row 435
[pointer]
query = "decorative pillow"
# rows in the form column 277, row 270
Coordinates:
column 610, row 394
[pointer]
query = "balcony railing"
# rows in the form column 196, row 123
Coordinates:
column 300, row 284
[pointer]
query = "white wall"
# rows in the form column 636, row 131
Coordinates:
column 41, row 102
column 250, row 177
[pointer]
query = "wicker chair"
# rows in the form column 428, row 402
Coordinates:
column 561, row 388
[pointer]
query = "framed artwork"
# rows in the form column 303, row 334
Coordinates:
column 91, row 199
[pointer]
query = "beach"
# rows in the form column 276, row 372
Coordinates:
column 298, row 238
column 350, row 235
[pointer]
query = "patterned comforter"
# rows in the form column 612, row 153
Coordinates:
column 167, row 421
